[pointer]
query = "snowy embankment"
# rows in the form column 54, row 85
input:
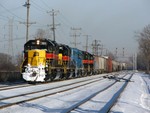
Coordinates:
column 136, row 96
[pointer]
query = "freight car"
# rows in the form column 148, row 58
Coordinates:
column 44, row 60
column 99, row 64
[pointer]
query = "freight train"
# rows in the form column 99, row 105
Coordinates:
column 45, row 60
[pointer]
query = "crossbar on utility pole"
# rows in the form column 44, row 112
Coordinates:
column 86, row 46
column 75, row 36
column 95, row 45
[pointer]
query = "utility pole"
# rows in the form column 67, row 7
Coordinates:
column 10, row 37
column 120, row 54
column 102, row 47
column 116, row 52
column 134, row 61
column 123, row 51
column 27, row 31
column 86, row 46
column 27, row 23
column 10, row 40
column 53, row 14
column 75, row 36
column 95, row 46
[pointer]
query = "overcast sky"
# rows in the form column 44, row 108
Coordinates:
column 112, row 22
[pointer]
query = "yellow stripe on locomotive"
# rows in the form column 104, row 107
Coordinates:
column 60, row 58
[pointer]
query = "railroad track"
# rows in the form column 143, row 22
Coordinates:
column 21, row 84
column 16, row 97
column 14, row 86
column 26, row 97
column 104, row 108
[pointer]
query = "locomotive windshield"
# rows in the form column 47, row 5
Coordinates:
column 35, row 46
column 85, row 56
column 65, row 50
column 39, row 44
column 91, row 57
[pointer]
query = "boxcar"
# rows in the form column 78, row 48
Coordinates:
column 99, row 64
column 108, row 64
column 115, row 66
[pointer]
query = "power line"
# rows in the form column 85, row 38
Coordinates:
column 6, row 18
column 45, row 4
column 13, row 39
column 68, row 23
column 11, row 12
column 38, row 6
column 13, row 9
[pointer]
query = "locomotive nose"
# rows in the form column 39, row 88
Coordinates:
column 35, row 70
column 36, row 57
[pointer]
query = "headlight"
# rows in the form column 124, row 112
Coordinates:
column 38, row 42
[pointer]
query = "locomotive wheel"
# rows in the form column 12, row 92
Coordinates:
column 62, row 75
column 47, row 77
column 73, row 75
column 67, row 75
column 89, row 73
column 79, row 74
column 53, row 75
column 85, row 73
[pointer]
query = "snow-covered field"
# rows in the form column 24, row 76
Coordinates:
column 134, row 99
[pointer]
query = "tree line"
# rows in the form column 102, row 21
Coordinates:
column 143, row 57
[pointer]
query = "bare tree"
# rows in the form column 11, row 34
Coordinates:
column 6, row 62
column 141, row 61
column 40, row 33
column 144, row 45
column 19, row 61
column 43, row 34
column 111, row 55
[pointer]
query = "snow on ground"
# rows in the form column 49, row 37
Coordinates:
column 136, row 97
column 61, row 101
